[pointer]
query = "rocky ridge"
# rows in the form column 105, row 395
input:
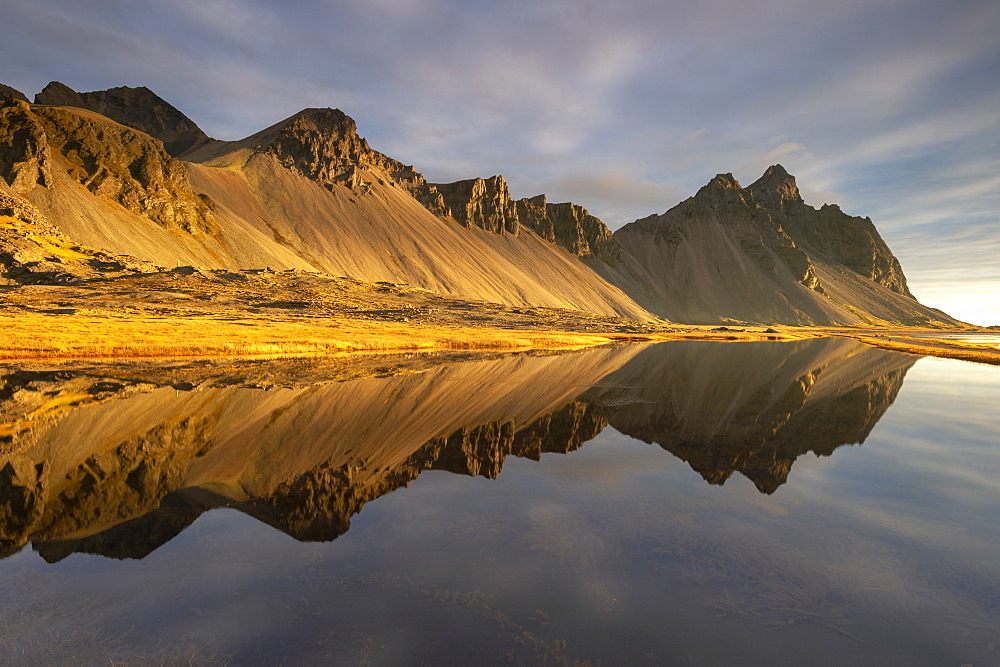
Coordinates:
column 757, row 254
column 138, row 108
column 848, row 240
column 111, row 161
column 761, row 254
column 483, row 203
column 487, row 204
column 324, row 146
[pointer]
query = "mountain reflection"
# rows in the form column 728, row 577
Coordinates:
column 117, row 463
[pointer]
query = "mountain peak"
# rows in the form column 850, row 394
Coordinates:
column 723, row 189
column 54, row 88
column 775, row 188
column 724, row 181
column 324, row 116
column 139, row 108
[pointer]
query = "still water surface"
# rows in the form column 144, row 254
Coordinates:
column 681, row 503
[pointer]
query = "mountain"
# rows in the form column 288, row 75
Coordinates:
column 124, row 173
column 138, row 108
column 306, row 193
column 315, row 186
column 761, row 254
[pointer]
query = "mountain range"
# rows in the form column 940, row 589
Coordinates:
column 120, row 180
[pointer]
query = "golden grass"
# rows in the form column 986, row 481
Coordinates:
column 39, row 335
column 96, row 335
column 948, row 349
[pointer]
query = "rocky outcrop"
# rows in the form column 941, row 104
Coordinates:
column 483, row 203
column 487, row 204
column 138, row 108
column 8, row 93
column 324, row 145
column 112, row 162
column 579, row 232
column 847, row 240
column 25, row 155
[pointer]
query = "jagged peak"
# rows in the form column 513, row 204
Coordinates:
column 324, row 121
column 481, row 202
column 724, row 187
column 724, row 181
column 775, row 188
column 54, row 87
column 321, row 132
column 321, row 115
column 139, row 108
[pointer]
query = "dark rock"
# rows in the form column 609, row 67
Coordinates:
column 8, row 93
column 483, row 203
column 138, row 108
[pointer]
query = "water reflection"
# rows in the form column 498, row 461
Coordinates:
column 117, row 463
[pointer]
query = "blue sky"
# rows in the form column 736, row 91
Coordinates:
column 890, row 108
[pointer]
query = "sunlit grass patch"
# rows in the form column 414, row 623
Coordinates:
column 40, row 335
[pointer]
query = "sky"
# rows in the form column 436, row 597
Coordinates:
column 890, row 108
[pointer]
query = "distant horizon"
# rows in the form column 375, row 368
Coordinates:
column 889, row 109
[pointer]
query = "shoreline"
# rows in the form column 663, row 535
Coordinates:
column 48, row 336
column 193, row 314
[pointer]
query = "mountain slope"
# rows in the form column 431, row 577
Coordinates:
column 761, row 254
column 487, row 204
column 314, row 185
column 306, row 193
column 111, row 187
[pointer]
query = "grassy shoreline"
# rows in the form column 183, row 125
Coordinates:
column 34, row 336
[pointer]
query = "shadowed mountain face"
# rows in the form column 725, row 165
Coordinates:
column 762, row 254
column 117, row 463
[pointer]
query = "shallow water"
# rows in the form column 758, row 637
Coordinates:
column 682, row 503
column 982, row 338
